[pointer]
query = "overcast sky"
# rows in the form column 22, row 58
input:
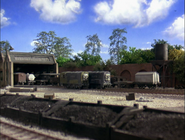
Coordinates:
column 144, row 20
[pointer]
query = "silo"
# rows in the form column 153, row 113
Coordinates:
column 161, row 52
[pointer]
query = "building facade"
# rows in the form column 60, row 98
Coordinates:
column 14, row 62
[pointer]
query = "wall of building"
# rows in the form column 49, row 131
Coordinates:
column 12, row 62
column 2, row 70
column 128, row 71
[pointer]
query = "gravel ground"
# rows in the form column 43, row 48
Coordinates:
column 163, row 101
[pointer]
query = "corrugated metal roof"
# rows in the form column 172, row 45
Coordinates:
column 31, row 58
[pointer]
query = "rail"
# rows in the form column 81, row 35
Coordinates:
column 14, row 132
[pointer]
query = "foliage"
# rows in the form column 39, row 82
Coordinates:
column 82, row 59
column 159, row 41
column 62, row 48
column 44, row 42
column 104, row 66
column 178, row 47
column 136, row 56
column 179, row 63
column 117, row 44
column 85, row 59
column 5, row 45
column 62, row 60
column 48, row 43
column 170, row 47
column 70, row 64
column 175, row 54
column 147, row 56
column 93, row 44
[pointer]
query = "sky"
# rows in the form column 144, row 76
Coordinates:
column 144, row 21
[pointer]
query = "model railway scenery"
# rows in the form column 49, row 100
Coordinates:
column 92, row 70
column 138, row 102
column 68, row 79
column 89, row 79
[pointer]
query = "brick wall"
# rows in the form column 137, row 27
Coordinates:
column 128, row 71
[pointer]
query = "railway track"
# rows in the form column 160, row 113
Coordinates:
column 110, row 90
column 14, row 132
column 137, row 90
column 145, row 91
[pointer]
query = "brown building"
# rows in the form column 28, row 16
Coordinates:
column 34, row 63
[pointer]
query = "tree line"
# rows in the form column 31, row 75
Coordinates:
column 61, row 48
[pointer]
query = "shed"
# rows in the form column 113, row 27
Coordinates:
column 26, row 63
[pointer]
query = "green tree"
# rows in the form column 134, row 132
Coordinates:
column 44, row 42
column 104, row 66
column 5, row 45
column 49, row 43
column 136, row 56
column 85, row 59
column 159, row 41
column 62, row 47
column 62, row 60
column 147, row 56
column 117, row 43
column 93, row 44
column 178, row 56
column 178, row 47
column 70, row 64
column 131, row 56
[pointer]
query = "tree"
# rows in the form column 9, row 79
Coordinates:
column 131, row 56
column 93, row 44
column 62, row 47
column 134, row 56
column 147, row 56
column 175, row 54
column 178, row 47
column 85, row 59
column 49, row 43
column 117, row 44
column 104, row 66
column 178, row 56
column 5, row 45
column 45, row 42
column 159, row 41
column 70, row 65
column 62, row 60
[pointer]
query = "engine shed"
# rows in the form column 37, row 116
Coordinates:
column 34, row 63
